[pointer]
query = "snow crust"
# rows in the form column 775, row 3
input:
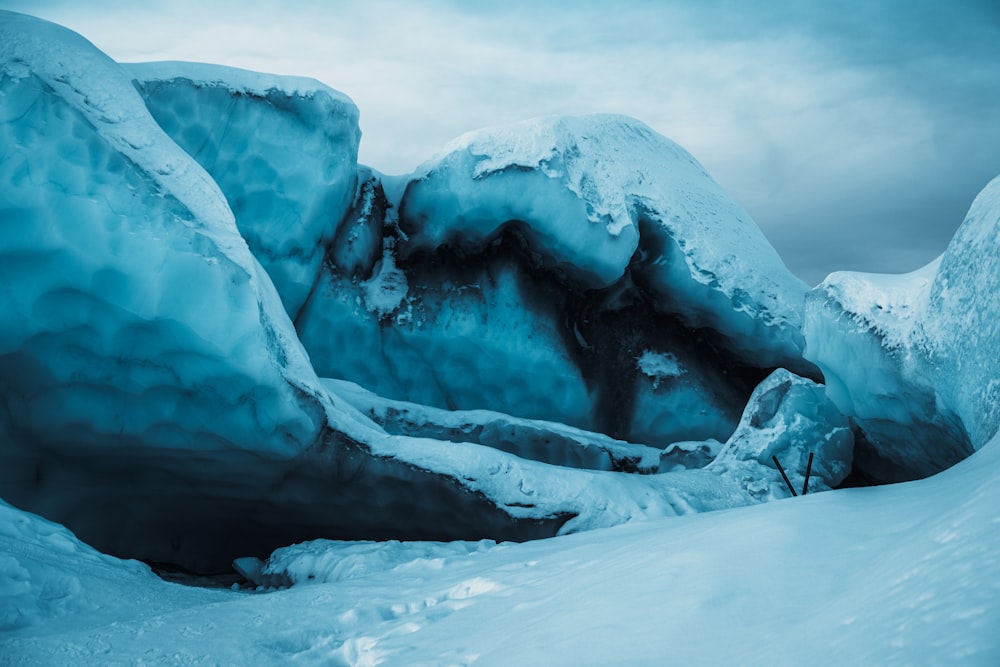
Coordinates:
column 911, row 358
column 282, row 149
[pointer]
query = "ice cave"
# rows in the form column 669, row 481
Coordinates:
column 225, row 340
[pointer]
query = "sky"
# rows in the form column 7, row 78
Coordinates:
column 856, row 134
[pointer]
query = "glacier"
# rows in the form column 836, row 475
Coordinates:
column 505, row 320
column 225, row 343
column 156, row 397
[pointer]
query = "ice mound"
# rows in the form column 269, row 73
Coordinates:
column 282, row 149
column 912, row 358
column 789, row 418
column 578, row 270
column 153, row 393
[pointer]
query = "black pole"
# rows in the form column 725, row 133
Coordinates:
column 783, row 475
column 809, row 467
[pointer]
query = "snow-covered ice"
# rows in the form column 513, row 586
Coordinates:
column 550, row 270
column 560, row 332
column 589, row 192
column 912, row 358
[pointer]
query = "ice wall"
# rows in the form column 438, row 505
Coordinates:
column 282, row 149
column 912, row 358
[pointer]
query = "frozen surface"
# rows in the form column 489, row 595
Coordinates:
column 447, row 343
column 155, row 398
column 282, row 149
column 913, row 358
column 154, row 395
column 894, row 575
column 48, row 578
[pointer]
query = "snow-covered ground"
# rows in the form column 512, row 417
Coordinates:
column 906, row 574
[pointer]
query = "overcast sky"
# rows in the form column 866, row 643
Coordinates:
column 855, row 133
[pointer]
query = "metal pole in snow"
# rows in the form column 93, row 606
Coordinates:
column 809, row 467
column 783, row 475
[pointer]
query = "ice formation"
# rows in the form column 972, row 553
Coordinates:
column 282, row 149
column 602, row 196
column 789, row 418
column 155, row 395
column 549, row 270
column 911, row 358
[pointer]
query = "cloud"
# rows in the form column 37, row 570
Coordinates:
column 856, row 139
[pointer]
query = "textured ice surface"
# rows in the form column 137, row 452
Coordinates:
column 153, row 394
column 282, row 149
column 457, row 345
column 912, row 358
